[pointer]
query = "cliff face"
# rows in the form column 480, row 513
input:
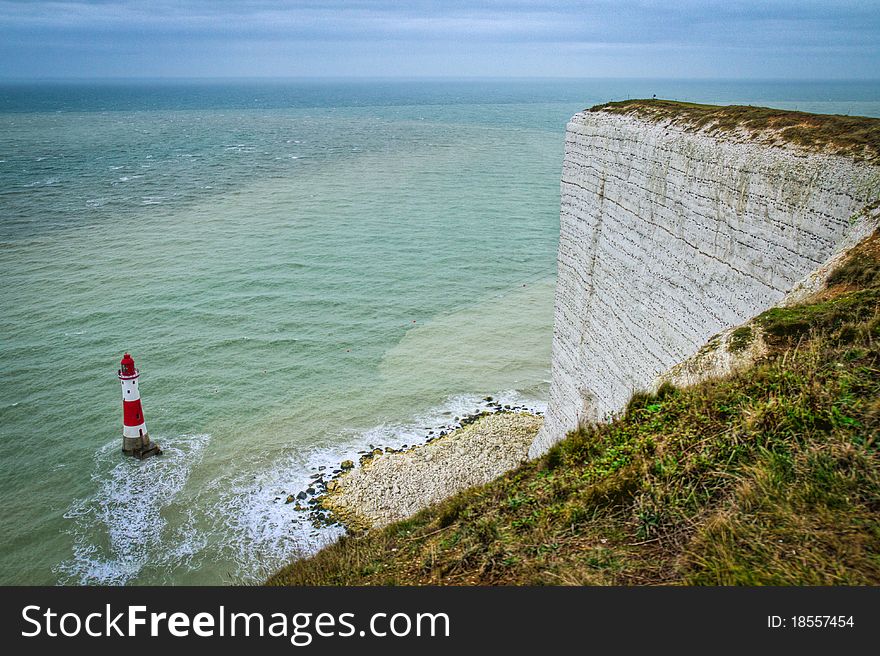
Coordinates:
column 671, row 234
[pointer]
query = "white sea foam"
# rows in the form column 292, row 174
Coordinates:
column 44, row 182
column 261, row 532
column 413, row 432
column 119, row 529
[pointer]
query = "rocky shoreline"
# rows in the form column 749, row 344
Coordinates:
column 329, row 499
column 395, row 484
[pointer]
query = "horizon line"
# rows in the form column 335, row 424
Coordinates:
column 431, row 78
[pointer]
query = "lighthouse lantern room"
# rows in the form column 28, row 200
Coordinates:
column 135, row 439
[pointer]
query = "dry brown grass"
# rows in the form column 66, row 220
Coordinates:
column 853, row 136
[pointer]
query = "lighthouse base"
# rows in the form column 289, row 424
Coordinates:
column 140, row 447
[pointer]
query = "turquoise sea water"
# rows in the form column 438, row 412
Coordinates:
column 300, row 269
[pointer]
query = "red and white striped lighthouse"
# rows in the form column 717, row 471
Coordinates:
column 135, row 439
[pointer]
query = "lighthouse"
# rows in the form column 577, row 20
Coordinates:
column 135, row 439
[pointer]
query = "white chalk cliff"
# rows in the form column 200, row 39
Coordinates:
column 670, row 235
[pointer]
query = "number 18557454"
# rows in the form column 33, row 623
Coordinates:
column 811, row 622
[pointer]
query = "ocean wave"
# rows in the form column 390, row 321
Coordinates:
column 46, row 182
column 262, row 532
column 443, row 417
column 119, row 529
column 239, row 148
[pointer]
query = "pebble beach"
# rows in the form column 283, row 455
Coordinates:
column 395, row 485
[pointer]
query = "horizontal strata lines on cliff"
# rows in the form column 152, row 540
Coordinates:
column 645, row 336
column 610, row 352
column 693, row 246
column 801, row 260
column 632, row 257
column 796, row 161
column 776, row 178
column 647, row 287
column 732, row 228
column 779, row 220
column 635, row 214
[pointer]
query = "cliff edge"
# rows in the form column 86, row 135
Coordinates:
column 681, row 221
column 754, row 460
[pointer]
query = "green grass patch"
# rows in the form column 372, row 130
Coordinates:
column 740, row 339
column 790, row 324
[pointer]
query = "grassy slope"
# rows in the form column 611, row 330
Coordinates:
column 771, row 476
column 854, row 136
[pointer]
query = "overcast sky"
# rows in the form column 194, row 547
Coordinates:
column 805, row 39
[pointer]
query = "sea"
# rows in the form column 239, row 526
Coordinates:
column 302, row 270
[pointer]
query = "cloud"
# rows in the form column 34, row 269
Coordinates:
column 42, row 35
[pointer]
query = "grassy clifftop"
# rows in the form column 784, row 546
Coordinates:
column 855, row 136
column 771, row 476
